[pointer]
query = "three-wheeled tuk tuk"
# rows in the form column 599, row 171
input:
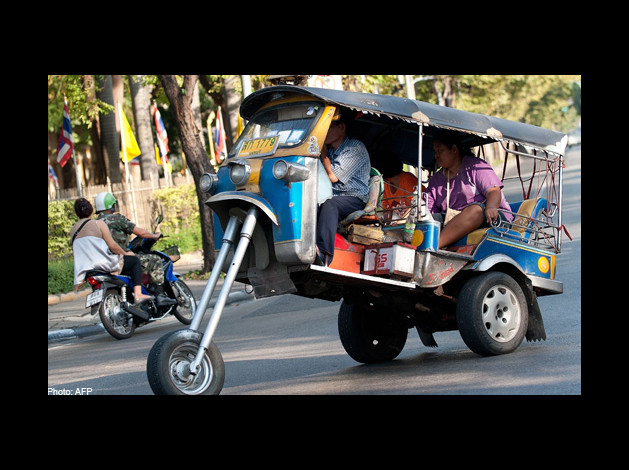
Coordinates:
column 265, row 198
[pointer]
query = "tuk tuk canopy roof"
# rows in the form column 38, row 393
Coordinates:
column 391, row 124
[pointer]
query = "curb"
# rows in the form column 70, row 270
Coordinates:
column 83, row 331
column 74, row 333
column 67, row 297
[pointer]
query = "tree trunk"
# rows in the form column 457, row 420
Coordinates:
column 449, row 91
column 181, row 100
column 230, row 111
column 108, row 134
column 99, row 169
column 141, row 96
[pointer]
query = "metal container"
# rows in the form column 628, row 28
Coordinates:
column 426, row 235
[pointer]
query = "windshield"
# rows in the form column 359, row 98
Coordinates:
column 291, row 123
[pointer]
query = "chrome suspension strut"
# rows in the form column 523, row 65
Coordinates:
column 246, row 233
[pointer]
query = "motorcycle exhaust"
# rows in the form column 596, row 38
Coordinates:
column 135, row 311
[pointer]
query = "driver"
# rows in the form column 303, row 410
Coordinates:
column 346, row 162
column 120, row 228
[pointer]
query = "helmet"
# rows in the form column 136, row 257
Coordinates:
column 104, row 201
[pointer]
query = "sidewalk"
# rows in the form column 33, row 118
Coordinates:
column 68, row 318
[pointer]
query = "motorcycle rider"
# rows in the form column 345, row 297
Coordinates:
column 95, row 249
column 120, row 228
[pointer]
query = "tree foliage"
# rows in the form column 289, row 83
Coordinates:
column 61, row 218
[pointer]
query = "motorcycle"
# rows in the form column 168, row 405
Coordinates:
column 112, row 295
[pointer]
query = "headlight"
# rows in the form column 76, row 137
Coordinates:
column 239, row 172
column 290, row 172
column 208, row 183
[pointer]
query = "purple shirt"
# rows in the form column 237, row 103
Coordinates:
column 474, row 178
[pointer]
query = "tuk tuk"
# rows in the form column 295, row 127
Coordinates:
column 265, row 198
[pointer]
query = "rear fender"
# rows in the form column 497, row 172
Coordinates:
column 490, row 261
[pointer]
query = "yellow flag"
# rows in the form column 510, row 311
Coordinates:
column 239, row 127
column 129, row 144
column 159, row 160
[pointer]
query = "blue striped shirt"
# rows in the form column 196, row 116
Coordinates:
column 350, row 164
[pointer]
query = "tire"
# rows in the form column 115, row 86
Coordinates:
column 370, row 336
column 492, row 314
column 170, row 358
column 116, row 321
column 186, row 303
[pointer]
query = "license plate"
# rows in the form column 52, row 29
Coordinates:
column 259, row 147
column 94, row 298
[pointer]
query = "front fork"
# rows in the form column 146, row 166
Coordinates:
column 229, row 238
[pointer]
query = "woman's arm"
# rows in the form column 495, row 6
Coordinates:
column 494, row 196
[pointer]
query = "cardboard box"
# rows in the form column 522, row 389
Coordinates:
column 390, row 259
column 364, row 235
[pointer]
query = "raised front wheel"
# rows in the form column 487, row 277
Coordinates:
column 168, row 366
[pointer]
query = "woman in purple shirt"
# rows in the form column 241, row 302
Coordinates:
column 471, row 185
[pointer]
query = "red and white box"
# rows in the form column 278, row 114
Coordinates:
column 389, row 258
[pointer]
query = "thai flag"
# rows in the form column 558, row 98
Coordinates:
column 66, row 144
column 51, row 174
column 219, row 138
column 162, row 136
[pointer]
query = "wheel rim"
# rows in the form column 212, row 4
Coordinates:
column 186, row 304
column 118, row 318
column 179, row 369
column 501, row 313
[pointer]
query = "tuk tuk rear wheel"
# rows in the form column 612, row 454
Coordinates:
column 492, row 314
column 370, row 336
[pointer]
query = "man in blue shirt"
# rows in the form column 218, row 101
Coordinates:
column 346, row 162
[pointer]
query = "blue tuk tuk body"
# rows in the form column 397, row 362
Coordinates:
column 398, row 125
column 265, row 198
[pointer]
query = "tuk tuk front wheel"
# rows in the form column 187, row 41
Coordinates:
column 168, row 366
column 370, row 336
column 492, row 314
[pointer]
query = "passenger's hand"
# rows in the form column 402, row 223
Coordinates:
column 491, row 214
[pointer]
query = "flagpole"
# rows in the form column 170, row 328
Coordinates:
column 76, row 172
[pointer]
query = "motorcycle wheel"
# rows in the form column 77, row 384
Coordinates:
column 186, row 304
column 168, row 364
column 116, row 321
